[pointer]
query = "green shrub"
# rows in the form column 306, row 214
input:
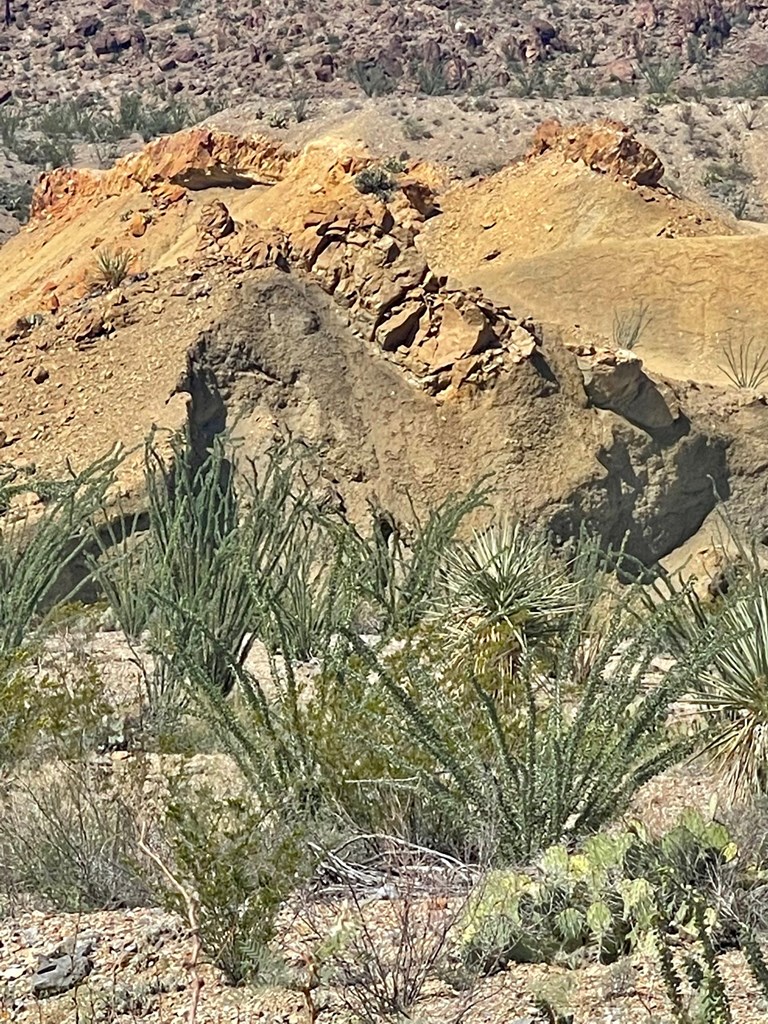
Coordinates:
column 241, row 863
column 661, row 76
column 731, row 698
column 554, row 748
column 430, row 77
column 745, row 366
column 371, row 77
column 375, row 180
column 67, row 837
column 36, row 551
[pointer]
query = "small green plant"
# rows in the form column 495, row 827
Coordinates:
column 745, row 366
column 12, row 119
column 504, row 593
column 371, row 77
column 660, row 76
column 112, row 266
column 300, row 103
column 630, row 325
column 241, row 863
column 376, row 181
column 430, row 77
column 527, row 79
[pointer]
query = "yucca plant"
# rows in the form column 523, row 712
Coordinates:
column 731, row 697
column 745, row 366
column 503, row 594
column 112, row 266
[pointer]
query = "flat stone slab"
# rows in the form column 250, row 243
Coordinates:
column 60, row 974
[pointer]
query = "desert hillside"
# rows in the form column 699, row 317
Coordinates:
column 383, row 607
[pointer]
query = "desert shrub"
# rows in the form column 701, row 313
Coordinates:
column 382, row 962
column 729, row 182
column 37, row 550
column 112, row 266
column 530, row 79
column 555, row 749
column 376, row 181
column 430, row 77
column 396, row 565
column 165, row 117
column 52, row 152
column 373, row 79
column 12, row 118
column 68, row 838
column 660, row 76
column 241, row 863
column 130, row 112
column 50, row 711
column 502, row 594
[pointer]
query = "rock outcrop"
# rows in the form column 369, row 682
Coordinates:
column 194, row 159
column 268, row 290
column 607, row 146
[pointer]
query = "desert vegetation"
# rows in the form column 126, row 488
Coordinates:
column 457, row 712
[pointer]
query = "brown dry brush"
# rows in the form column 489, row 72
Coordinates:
column 391, row 936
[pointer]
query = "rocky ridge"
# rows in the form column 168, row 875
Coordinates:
column 203, row 48
column 281, row 297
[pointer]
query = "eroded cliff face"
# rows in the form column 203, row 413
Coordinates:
column 265, row 293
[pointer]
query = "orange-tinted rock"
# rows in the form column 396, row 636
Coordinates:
column 137, row 225
column 609, row 147
column 193, row 159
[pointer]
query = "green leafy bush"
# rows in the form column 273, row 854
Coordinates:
column 241, row 863
column 376, row 181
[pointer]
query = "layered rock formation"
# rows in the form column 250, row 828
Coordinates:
column 266, row 291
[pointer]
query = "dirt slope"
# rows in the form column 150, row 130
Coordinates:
column 583, row 250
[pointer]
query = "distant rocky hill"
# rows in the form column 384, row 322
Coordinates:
column 226, row 52
column 82, row 84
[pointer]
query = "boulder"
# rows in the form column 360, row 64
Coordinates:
column 59, row 974
column 617, row 381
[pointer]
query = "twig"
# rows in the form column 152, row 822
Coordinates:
column 193, row 916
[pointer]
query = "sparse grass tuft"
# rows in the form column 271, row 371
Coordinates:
column 745, row 366
column 630, row 325
column 112, row 266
